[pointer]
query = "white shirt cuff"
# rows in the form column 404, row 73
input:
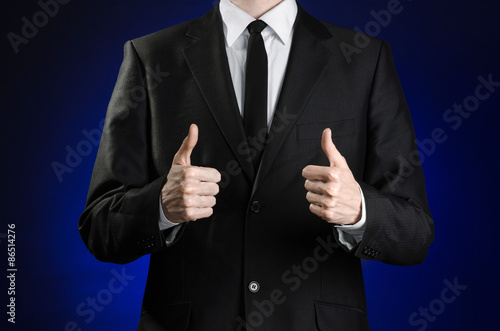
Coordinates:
column 351, row 235
column 165, row 224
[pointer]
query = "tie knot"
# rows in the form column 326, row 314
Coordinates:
column 256, row 26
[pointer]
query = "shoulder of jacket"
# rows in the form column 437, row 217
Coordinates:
column 343, row 34
column 167, row 35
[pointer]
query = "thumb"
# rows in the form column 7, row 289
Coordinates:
column 183, row 155
column 336, row 159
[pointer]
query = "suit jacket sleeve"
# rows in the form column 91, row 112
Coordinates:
column 120, row 221
column 399, row 226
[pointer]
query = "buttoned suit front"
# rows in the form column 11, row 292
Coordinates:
column 261, row 231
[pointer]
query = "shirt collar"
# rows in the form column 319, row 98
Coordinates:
column 280, row 19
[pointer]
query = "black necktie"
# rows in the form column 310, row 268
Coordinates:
column 255, row 108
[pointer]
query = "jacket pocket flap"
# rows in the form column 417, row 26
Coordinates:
column 331, row 317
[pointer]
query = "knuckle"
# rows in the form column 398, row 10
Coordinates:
column 331, row 203
column 188, row 188
column 333, row 174
column 332, row 190
column 328, row 203
column 328, row 190
column 328, row 215
column 189, row 201
column 190, row 172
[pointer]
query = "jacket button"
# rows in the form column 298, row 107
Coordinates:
column 254, row 287
column 255, row 207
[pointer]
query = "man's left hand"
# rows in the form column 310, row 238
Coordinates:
column 332, row 191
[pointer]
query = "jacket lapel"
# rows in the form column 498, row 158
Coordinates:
column 207, row 60
column 307, row 61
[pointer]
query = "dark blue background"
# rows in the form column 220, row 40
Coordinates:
column 60, row 82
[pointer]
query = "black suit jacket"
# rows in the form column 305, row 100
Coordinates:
column 261, row 229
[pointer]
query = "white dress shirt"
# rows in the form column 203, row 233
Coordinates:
column 277, row 40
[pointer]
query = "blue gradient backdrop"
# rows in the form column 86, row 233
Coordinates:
column 60, row 82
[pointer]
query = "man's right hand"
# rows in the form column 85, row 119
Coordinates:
column 189, row 193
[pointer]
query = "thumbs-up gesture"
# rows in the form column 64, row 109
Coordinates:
column 332, row 191
column 189, row 193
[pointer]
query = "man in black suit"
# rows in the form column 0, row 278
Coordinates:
column 256, row 229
